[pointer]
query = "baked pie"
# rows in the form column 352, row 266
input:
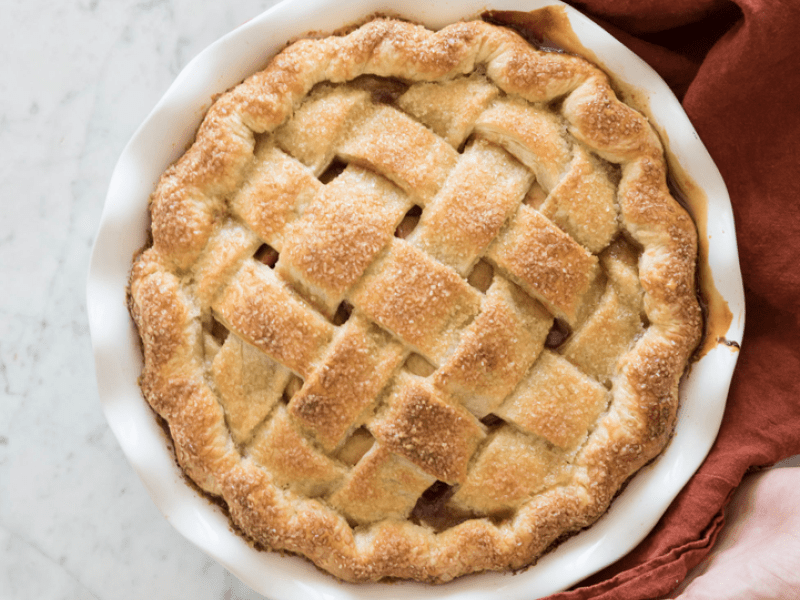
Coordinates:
column 417, row 303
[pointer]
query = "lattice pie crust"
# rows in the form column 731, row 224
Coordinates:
column 417, row 304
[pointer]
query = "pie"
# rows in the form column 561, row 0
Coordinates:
column 416, row 304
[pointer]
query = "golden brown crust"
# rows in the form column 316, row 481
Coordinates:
column 323, row 261
column 480, row 193
column 418, row 299
column 546, row 262
column 333, row 470
column 360, row 363
column 496, row 349
column 420, row 426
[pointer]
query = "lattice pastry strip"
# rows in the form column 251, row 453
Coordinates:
column 545, row 262
column 278, row 189
column 422, row 426
column 449, row 108
column 347, row 382
column 400, row 149
column 381, row 484
column 509, row 469
column 379, row 136
column 249, row 384
column 316, row 129
column 531, row 134
column 341, row 231
column 481, row 192
column 418, row 299
column 555, row 401
column 224, row 254
column 261, row 310
column 496, row 349
column 616, row 322
column 291, row 459
column 583, row 203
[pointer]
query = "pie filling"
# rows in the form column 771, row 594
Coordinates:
column 442, row 307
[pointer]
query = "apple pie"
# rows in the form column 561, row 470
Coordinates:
column 416, row 304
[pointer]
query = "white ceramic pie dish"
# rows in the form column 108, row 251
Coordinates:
column 118, row 361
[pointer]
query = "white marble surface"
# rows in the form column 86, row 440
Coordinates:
column 76, row 79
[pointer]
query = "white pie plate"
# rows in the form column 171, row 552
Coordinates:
column 118, row 360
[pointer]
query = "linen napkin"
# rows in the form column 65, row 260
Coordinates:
column 735, row 66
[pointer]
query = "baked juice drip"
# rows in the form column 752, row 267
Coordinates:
column 417, row 295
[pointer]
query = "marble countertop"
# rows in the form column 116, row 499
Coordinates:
column 77, row 78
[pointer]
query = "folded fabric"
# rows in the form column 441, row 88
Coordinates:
column 735, row 68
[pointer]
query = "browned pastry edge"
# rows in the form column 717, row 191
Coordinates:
column 189, row 198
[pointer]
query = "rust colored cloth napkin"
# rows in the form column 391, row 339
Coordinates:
column 735, row 66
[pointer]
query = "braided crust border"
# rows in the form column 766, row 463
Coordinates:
column 190, row 196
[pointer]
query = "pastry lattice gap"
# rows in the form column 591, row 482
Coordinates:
column 492, row 324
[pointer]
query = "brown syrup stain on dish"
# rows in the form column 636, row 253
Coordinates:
column 729, row 343
column 549, row 30
column 717, row 315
